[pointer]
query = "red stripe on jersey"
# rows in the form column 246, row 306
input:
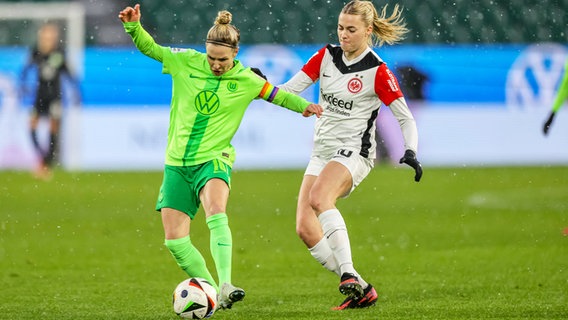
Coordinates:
column 312, row 67
column 386, row 85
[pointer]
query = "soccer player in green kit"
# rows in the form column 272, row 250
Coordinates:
column 211, row 92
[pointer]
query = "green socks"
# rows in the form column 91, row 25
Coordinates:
column 221, row 243
column 189, row 258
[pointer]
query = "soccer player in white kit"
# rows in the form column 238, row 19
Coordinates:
column 354, row 82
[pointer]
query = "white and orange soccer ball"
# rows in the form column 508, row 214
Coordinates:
column 195, row 298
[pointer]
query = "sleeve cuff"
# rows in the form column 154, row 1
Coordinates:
column 131, row 26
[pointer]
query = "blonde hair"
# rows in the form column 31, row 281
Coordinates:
column 223, row 33
column 389, row 29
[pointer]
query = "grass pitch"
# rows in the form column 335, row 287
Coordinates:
column 465, row 243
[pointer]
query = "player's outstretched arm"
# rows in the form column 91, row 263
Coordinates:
column 410, row 159
column 130, row 14
column 130, row 18
column 288, row 100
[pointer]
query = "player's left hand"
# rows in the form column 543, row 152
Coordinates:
column 313, row 109
column 258, row 72
column 410, row 159
column 548, row 123
column 130, row 14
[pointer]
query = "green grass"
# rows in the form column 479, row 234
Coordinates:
column 465, row 243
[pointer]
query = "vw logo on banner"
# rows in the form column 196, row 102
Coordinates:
column 533, row 78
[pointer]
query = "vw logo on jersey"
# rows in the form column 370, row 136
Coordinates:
column 232, row 86
column 207, row 102
column 355, row 85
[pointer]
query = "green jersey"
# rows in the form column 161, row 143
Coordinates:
column 206, row 110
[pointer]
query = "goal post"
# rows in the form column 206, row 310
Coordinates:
column 73, row 14
column 19, row 23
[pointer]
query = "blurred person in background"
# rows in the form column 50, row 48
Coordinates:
column 561, row 96
column 50, row 64
column 354, row 82
column 211, row 92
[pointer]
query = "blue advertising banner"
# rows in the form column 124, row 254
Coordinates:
column 450, row 74
column 466, row 73
column 474, row 105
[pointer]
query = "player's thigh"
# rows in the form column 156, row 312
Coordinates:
column 176, row 223
column 334, row 181
column 41, row 107
column 214, row 196
column 307, row 223
column 56, row 109
column 214, row 185
column 357, row 166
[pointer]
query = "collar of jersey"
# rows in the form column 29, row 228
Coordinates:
column 233, row 70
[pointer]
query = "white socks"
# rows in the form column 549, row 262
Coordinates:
column 335, row 231
column 323, row 254
column 334, row 250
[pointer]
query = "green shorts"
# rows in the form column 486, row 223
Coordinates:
column 181, row 185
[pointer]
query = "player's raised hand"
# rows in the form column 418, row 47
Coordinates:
column 130, row 14
column 410, row 159
column 548, row 123
column 313, row 109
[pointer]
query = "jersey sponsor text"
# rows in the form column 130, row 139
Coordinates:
column 336, row 102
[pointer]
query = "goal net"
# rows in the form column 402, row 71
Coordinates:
column 19, row 23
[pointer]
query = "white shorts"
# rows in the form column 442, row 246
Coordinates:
column 358, row 166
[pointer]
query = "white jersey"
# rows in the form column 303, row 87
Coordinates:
column 351, row 94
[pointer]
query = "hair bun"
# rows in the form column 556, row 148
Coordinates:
column 223, row 17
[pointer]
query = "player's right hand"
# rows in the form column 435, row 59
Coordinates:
column 548, row 123
column 130, row 14
column 313, row 109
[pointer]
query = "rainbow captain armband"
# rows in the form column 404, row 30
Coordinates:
column 268, row 92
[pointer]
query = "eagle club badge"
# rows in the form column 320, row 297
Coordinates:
column 354, row 85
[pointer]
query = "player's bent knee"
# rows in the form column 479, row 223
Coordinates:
column 317, row 203
column 308, row 235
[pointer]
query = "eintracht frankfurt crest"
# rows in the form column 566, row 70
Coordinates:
column 354, row 85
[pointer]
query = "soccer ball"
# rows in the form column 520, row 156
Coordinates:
column 194, row 298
